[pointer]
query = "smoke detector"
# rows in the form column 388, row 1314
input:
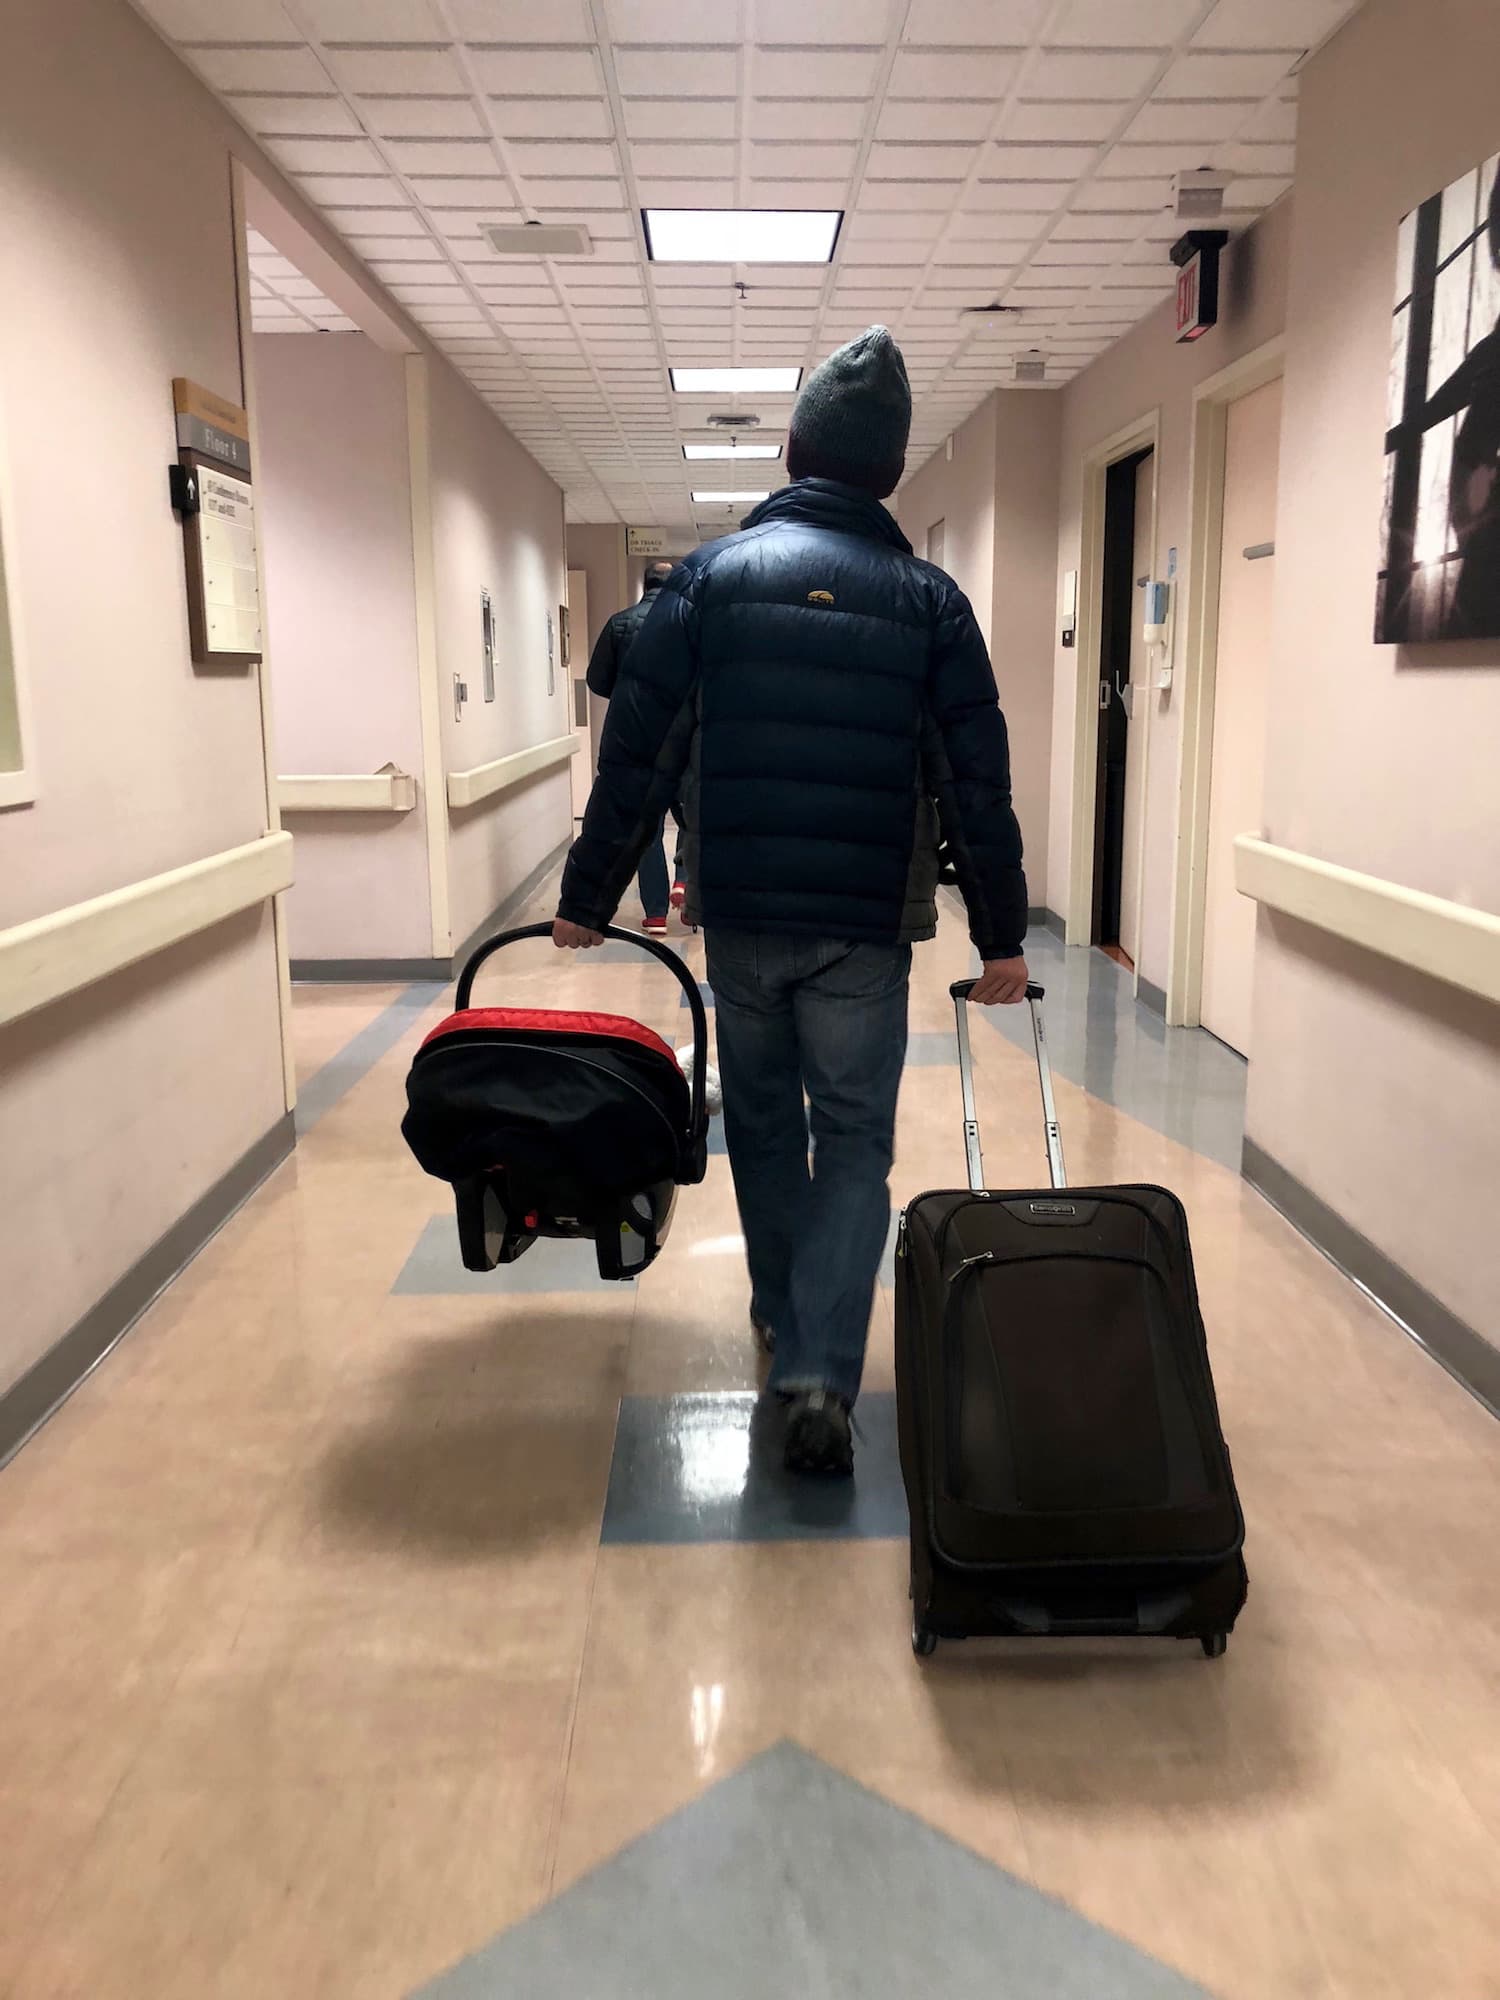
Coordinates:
column 1031, row 366
column 1199, row 194
column 733, row 420
column 538, row 239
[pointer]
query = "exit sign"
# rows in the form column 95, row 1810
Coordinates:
column 1196, row 256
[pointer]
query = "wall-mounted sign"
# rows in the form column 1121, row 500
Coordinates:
column 645, row 542
column 487, row 635
column 1196, row 256
column 211, row 491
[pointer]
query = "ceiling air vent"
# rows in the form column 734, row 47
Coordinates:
column 990, row 318
column 538, row 239
column 733, row 420
column 1031, row 366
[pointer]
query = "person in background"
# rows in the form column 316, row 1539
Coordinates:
column 823, row 703
column 610, row 649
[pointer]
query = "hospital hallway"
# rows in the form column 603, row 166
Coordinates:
column 360, row 1613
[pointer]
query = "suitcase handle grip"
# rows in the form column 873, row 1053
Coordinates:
column 962, row 988
column 1154, row 1614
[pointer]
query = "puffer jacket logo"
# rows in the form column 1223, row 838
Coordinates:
column 820, row 597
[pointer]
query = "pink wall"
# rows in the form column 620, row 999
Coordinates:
column 341, row 629
column 1148, row 371
column 997, row 498
column 1377, row 1088
column 119, row 1106
column 497, row 526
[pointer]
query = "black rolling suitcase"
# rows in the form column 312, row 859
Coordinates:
column 1060, row 1444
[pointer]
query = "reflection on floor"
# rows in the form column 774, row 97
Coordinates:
column 354, row 1612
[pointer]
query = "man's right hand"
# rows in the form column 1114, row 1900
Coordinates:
column 574, row 937
column 1002, row 983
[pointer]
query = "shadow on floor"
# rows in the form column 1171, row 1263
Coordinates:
column 495, row 1442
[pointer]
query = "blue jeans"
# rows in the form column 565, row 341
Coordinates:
column 809, row 1015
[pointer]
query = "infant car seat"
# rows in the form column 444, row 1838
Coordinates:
column 552, row 1123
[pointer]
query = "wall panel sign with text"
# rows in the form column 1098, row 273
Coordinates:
column 211, row 490
column 645, row 542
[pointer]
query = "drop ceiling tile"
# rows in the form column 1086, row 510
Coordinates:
column 431, row 71
column 519, row 20
column 1124, row 24
column 1038, row 198
column 787, row 160
column 797, row 194
column 465, row 157
column 794, row 22
column 786, row 118
column 1137, row 197
column 684, row 159
column 925, row 162
column 1264, row 162
column 926, row 197
column 1169, row 124
column 222, row 20
column 415, row 256
column 372, row 20
column 271, row 69
column 922, row 118
column 1037, row 163
column 421, row 117
column 1081, row 226
column 352, row 191
column 1272, row 24
column 526, row 72
column 1088, row 256
column 1274, row 123
column 477, row 191
column 679, row 118
column 655, row 192
column 325, row 117
column 975, row 23
column 1064, row 120
column 1256, row 194
column 665, row 22
column 1112, row 76
column 979, row 73
column 550, row 117
column 1202, row 74
column 705, row 72
column 822, row 73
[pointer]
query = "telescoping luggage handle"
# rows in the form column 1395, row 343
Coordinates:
column 674, row 965
column 960, row 991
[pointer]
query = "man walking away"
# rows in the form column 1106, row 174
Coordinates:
column 614, row 642
column 823, row 704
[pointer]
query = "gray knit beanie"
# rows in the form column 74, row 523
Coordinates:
column 854, row 414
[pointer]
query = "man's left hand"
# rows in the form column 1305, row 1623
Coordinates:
column 573, row 937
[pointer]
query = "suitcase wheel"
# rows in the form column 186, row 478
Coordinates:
column 924, row 1643
column 1215, row 1645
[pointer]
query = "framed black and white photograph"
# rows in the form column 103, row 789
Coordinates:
column 1440, row 555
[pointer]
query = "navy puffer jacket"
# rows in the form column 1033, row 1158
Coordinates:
column 822, row 703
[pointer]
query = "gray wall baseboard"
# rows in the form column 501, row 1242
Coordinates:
column 1468, row 1357
column 1049, row 920
column 26, row 1405
column 368, row 971
column 1152, row 997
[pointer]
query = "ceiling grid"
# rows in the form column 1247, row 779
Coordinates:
column 1010, row 151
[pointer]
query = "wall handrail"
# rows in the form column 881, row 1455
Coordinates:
column 49, row 957
column 487, row 781
column 1450, row 941
column 388, row 791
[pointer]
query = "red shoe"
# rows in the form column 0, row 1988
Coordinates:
column 655, row 926
column 679, row 894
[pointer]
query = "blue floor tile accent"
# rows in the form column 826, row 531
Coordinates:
column 707, row 1468
column 1181, row 1082
column 927, row 1050
column 789, row 1878
column 327, row 1086
column 436, row 1270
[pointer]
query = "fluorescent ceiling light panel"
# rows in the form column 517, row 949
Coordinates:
column 702, row 499
column 729, row 451
column 741, row 235
column 729, row 381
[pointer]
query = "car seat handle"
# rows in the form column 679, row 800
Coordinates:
column 669, row 958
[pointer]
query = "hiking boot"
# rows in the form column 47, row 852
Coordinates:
column 818, row 1439
column 765, row 1336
